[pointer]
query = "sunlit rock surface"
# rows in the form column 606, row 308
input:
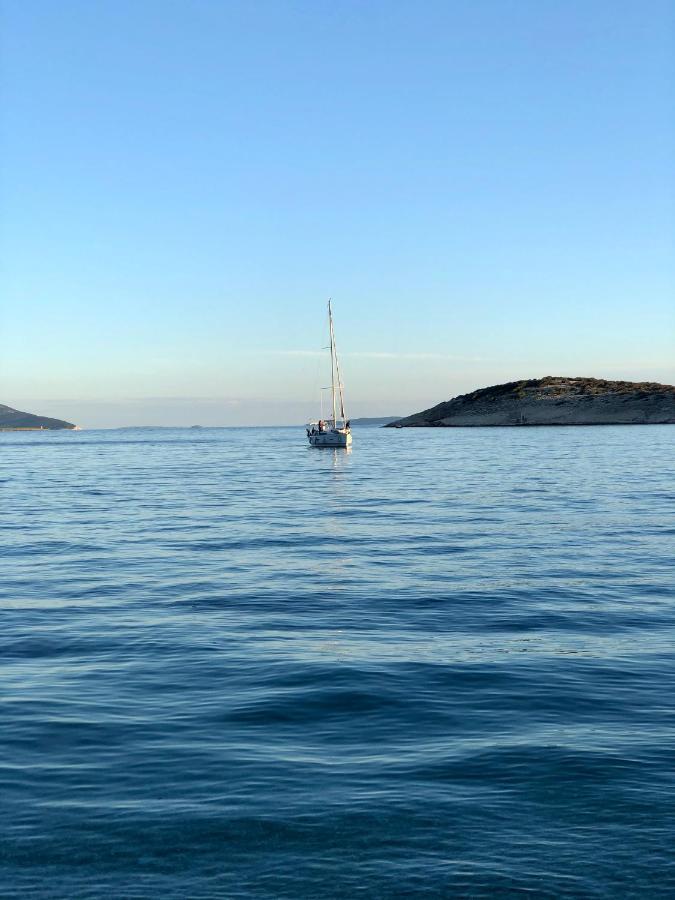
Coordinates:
column 554, row 401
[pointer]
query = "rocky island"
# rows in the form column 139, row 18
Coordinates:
column 15, row 420
column 553, row 401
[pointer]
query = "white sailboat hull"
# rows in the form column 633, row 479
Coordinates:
column 330, row 439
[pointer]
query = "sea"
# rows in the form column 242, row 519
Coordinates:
column 439, row 665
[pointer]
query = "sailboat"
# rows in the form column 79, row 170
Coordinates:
column 333, row 432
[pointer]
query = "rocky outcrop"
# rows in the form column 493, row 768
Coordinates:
column 553, row 401
column 14, row 420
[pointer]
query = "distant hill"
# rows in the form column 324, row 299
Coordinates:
column 14, row 420
column 553, row 401
column 382, row 420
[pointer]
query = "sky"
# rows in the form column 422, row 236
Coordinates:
column 485, row 189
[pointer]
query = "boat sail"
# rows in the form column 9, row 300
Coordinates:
column 333, row 432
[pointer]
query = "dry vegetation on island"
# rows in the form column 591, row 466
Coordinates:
column 553, row 401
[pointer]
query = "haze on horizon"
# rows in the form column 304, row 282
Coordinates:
column 485, row 190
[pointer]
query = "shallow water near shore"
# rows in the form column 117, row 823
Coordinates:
column 440, row 665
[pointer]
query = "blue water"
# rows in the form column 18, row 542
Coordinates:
column 438, row 666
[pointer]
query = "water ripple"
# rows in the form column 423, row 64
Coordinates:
column 439, row 666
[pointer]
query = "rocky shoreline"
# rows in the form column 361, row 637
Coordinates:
column 552, row 401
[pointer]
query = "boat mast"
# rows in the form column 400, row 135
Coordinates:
column 339, row 382
column 332, row 360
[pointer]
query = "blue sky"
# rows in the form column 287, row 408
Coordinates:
column 485, row 189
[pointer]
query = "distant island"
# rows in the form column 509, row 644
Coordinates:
column 382, row 420
column 553, row 401
column 15, row 420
